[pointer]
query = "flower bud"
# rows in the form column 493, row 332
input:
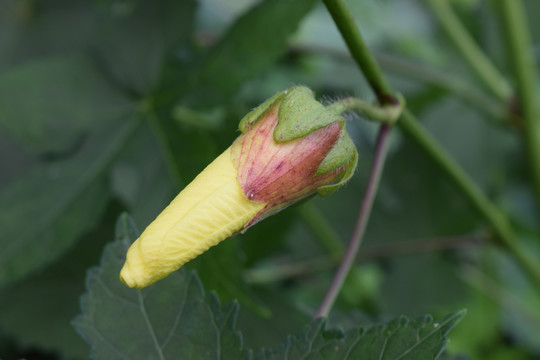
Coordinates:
column 291, row 147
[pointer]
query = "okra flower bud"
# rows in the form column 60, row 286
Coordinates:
column 291, row 147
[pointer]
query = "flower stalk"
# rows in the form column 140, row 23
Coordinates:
column 361, row 223
column 387, row 113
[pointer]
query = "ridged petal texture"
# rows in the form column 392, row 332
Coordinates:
column 210, row 209
column 280, row 174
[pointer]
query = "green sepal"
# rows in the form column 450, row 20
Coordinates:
column 300, row 114
column 254, row 115
column 339, row 155
column 347, row 174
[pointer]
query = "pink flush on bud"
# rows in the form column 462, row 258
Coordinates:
column 280, row 174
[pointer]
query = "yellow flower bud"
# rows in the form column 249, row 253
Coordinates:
column 291, row 147
column 209, row 210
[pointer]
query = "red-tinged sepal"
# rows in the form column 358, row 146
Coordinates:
column 291, row 147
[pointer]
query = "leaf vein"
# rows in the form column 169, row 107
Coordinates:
column 149, row 325
column 218, row 345
column 104, row 339
column 112, row 294
column 434, row 331
column 177, row 319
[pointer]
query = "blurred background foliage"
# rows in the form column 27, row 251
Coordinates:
column 111, row 106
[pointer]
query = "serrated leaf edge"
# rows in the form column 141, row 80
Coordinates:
column 125, row 225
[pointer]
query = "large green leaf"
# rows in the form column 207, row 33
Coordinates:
column 176, row 319
column 399, row 339
column 44, row 213
column 135, row 37
column 252, row 44
column 49, row 105
column 132, row 39
column 171, row 319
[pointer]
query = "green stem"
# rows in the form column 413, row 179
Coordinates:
column 388, row 113
column 409, row 125
column 522, row 59
column 472, row 53
column 359, row 51
column 503, row 231
column 412, row 128
column 320, row 228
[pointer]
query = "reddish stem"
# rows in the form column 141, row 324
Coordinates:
column 361, row 223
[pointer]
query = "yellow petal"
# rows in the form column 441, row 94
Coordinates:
column 210, row 209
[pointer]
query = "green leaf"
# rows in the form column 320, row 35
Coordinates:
column 252, row 44
column 49, row 105
column 171, row 319
column 399, row 339
column 44, row 213
column 45, row 324
column 136, row 36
